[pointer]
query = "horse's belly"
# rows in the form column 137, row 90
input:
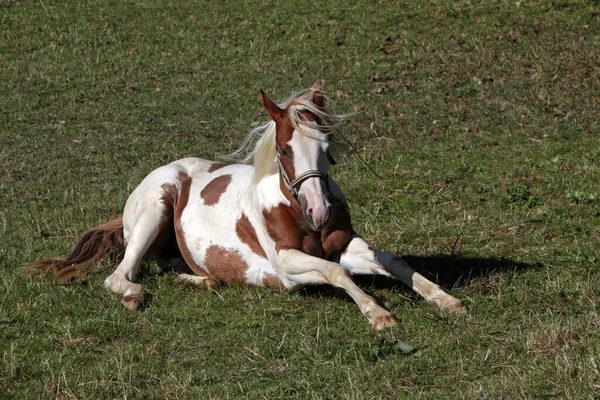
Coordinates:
column 216, row 232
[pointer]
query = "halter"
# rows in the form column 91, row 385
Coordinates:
column 294, row 185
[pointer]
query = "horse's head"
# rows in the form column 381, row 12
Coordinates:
column 303, row 155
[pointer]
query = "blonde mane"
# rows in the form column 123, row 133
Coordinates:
column 258, row 148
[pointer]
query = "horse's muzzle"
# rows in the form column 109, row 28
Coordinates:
column 318, row 218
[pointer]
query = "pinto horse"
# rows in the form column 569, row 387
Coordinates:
column 276, row 218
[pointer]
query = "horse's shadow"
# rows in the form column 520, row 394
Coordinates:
column 448, row 271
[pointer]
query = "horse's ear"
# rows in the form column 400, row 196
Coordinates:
column 274, row 111
column 318, row 97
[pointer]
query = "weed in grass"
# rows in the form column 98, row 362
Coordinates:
column 580, row 197
column 385, row 348
column 519, row 197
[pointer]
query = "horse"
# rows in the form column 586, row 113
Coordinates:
column 275, row 218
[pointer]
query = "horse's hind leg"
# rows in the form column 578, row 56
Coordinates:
column 203, row 281
column 185, row 273
column 141, row 236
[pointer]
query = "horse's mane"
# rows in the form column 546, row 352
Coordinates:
column 258, row 148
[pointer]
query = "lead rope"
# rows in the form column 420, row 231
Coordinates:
column 360, row 157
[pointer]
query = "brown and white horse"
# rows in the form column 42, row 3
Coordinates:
column 281, row 222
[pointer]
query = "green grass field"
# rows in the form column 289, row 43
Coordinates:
column 481, row 116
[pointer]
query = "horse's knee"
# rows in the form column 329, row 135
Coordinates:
column 337, row 275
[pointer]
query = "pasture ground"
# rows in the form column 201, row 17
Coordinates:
column 481, row 116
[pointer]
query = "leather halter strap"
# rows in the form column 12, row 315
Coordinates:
column 294, row 185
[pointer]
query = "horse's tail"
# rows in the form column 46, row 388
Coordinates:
column 103, row 242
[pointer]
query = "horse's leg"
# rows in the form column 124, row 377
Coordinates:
column 141, row 237
column 304, row 269
column 204, row 281
column 360, row 258
column 183, row 271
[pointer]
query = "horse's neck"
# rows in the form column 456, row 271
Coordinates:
column 267, row 193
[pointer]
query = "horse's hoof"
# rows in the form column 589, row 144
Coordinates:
column 455, row 307
column 384, row 322
column 133, row 302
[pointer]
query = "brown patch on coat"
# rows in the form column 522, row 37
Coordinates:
column 170, row 198
column 285, row 191
column 214, row 189
column 225, row 265
column 336, row 238
column 287, row 161
column 177, row 201
column 165, row 244
column 311, row 245
column 286, row 226
column 217, row 165
column 247, row 234
column 273, row 282
column 284, row 132
column 283, row 225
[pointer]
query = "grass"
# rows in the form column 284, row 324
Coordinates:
column 482, row 118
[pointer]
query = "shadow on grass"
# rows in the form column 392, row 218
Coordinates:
column 457, row 271
column 447, row 271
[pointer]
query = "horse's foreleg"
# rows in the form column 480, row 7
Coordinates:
column 360, row 258
column 121, row 280
column 304, row 269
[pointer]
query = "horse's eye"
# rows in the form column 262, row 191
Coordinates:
column 285, row 153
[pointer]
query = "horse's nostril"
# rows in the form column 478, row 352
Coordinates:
column 309, row 211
